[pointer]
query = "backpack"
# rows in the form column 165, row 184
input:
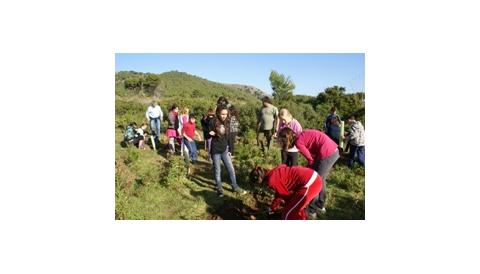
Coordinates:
column 129, row 133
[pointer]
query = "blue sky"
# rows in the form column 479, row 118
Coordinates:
column 311, row 73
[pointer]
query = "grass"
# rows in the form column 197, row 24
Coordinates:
column 151, row 185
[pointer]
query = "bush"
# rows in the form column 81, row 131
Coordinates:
column 132, row 155
column 146, row 172
column 176, row 171
column 127, row 112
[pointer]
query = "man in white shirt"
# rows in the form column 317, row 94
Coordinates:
column 155, row 116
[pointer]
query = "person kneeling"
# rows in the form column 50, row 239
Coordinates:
column 140, row 137
column 295, row 185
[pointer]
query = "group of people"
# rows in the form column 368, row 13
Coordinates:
column 303, row 189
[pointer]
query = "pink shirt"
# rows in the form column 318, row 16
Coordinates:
column 315, row 145
column 293, row 125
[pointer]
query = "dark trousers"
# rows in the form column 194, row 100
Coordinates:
column 289, row 158
column 262, row 136
column 323, row 168
column 231, row 141
column 356, row 151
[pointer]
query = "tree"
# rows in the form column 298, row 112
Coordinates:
column 133, row 84
column 331, row 95
column 151, row 82
column 346, row 104
column 282, row 86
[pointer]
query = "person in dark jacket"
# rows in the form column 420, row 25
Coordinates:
column 332, row 125
column 218, row 130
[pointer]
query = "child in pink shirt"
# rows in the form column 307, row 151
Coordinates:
column 289, row 156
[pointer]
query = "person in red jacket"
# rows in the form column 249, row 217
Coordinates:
column 321, row 153
column 295, row 185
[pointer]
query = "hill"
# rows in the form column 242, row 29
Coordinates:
column 153, row 184
column 177, row 85
column 250, row 89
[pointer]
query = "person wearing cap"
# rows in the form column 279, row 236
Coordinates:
column 267, row 123
column 154, row 115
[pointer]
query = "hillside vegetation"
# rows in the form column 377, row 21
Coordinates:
column 150, row 184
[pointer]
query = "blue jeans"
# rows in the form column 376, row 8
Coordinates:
column 192, row 149
column 217, row 170
column 155, row 125
column 356, row 151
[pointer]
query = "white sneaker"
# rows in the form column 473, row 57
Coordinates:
column 322, row 210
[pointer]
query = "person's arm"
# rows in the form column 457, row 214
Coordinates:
column 276, row 122
column 180, row 124
column 186, row 136
column 146, row 115
column 326, row 124
column 353, row 133
column 275, row 183
column 305, row 152
column 259, row 118
column 161, row 113
column 299, row 127
column 276, row 202
column 211, row 127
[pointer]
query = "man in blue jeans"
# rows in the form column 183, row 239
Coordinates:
column 356, row 137
column 155, row 116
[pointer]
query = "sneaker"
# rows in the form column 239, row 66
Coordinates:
column 312, row 216
column 322, row 210
column 220, row 193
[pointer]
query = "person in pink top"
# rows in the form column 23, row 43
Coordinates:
column 289, row 156
column 182, row 119
column 321, row 153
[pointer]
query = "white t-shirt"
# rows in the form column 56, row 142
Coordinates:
column 293, row 149
column 140, row 132
column 154, row 112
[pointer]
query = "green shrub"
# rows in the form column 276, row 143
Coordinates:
column 132, row 154
column 176, row 171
